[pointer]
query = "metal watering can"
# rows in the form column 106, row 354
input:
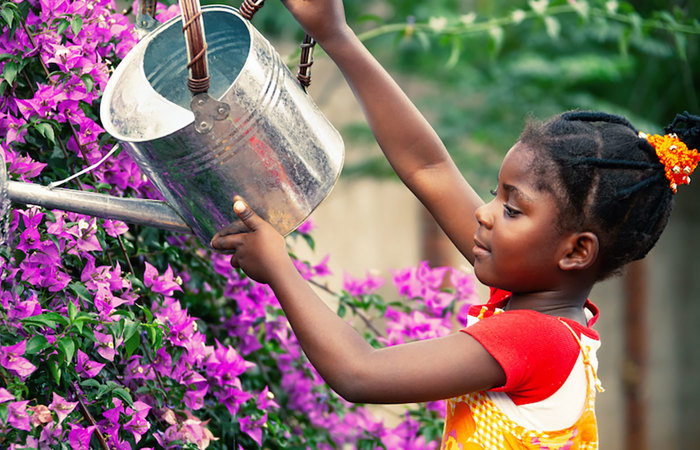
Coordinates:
column 206, row 120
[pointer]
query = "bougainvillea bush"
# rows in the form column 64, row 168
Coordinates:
column 120, row 336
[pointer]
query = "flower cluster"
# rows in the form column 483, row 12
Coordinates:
column 130, row 337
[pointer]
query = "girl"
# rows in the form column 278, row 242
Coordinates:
column 577, row 198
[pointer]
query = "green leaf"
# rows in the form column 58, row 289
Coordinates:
column 309, row 241
column 496, row 41
column 50, row 320
column 88, row 80
column 67, row 347
column 455, row 51
column 681, row 41
column 147, row 313
column 81, row 291
column 36, row 344
column 90, row 382
column 7, row 15
column 102, row 390
column 55, row 370
column 9, row 72
column 124, row 395
column 63, row 25
column 4, row 412
column 46, row 130
column 130, row 328
column 72, row 311
column 76, row 24
column 80, row 321
column 342, row 310
column 132, row 344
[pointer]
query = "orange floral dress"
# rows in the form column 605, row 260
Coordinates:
column 474, row 422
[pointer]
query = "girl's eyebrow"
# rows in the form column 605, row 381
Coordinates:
column 514, row 191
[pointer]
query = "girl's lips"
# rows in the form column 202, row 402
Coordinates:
column 479, row 249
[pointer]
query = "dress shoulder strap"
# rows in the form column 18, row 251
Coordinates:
column 585, row 351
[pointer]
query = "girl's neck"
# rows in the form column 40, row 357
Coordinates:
column 569, row 306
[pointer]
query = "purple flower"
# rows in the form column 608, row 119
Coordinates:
column 57, row 228
column 12, row 360
column 50, row 434
column 362, row 286
column 106, row 347
column 266, row 400
column 306, row 227
column 30, row 238
column 17, row 415
column 41, row 268
column 138, row 425
column 194, row 398
column 115, row 228
column 61, row 406
column 113, row 414
column 164, row 284
column 225, row 364
column 21, row 308
column 79, row 437
column 44, row 103
column 321, row 269
column 136, row 371
column 5, row 395
column 85, row 367
column 252, row 428
column 86, row 235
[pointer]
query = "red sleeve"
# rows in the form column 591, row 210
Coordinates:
column 536, row 352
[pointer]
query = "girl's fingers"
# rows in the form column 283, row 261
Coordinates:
column 228, row 242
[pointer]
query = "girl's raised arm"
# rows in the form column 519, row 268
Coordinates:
column 410, row 144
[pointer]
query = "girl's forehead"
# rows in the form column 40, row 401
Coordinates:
column 518, row 161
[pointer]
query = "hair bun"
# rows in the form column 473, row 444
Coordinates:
column 687, row 127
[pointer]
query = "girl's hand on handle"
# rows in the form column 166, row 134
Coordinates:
column 321, row 19
column 261, row 252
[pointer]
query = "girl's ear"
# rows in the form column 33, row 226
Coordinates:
column 581, row 251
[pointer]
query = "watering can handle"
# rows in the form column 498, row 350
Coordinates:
column 193, row 28
column 250, row 7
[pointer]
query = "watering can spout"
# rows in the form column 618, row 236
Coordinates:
column 132, row 210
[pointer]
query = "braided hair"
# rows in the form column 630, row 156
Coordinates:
column 606, row 179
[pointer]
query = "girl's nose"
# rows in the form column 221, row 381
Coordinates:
column 483, row 217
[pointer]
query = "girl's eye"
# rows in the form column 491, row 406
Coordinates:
column 509, row 211
column 493, row 192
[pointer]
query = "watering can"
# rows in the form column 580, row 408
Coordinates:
column 208, row 110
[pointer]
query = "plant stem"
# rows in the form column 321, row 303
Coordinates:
column 86, row 414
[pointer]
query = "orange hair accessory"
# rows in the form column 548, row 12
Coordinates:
column 679, row 161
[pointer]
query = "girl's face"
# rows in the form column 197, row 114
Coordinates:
column 517, row 245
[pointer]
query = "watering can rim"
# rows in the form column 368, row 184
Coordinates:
column 138, row 51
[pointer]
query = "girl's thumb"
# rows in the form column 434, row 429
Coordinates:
column 245, row 214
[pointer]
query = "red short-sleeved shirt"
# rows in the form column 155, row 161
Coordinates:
column 537, row 352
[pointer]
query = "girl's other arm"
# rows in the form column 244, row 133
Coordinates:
column 410, row 144
column 421, row 371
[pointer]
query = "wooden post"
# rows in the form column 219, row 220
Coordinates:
column 635, row 362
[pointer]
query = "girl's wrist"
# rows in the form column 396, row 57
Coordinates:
column 340, row 37
column 283, row 273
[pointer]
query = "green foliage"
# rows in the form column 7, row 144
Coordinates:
column 496, row 63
